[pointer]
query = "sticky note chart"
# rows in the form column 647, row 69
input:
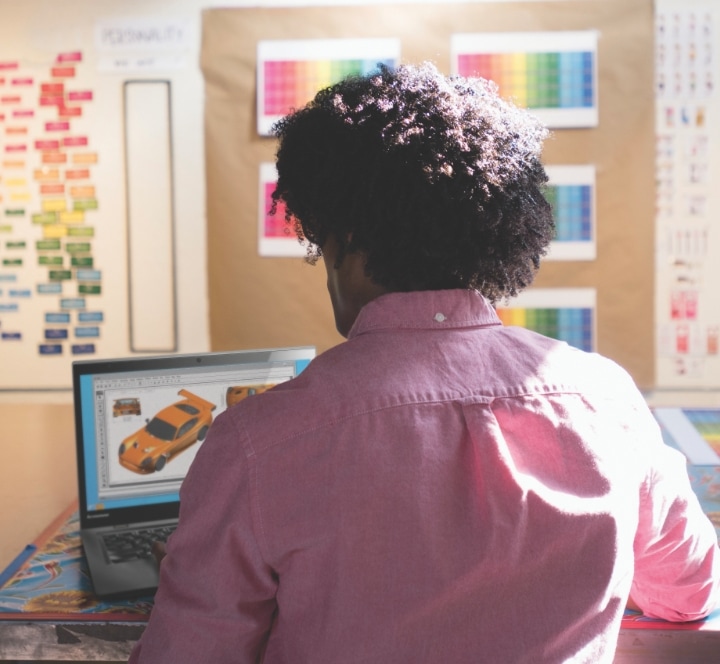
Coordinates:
column 552, row 73
column 49, row 281
column 291, row 72
column 563, row 313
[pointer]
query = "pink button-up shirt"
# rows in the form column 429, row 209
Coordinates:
column 439, row 488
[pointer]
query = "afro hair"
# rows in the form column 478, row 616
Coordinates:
column 436, row 179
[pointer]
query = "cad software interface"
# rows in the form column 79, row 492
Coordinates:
column 142, row 429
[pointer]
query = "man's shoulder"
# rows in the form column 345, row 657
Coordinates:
column 287, row 409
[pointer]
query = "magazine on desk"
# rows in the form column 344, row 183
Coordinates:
column 696, row 433
column 50, row 581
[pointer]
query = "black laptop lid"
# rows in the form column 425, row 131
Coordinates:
column 140, row 421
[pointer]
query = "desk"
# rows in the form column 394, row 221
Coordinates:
column 75, row 642
column 36, row 486
column 41, row 483
column 49, row 612
column 38, row 477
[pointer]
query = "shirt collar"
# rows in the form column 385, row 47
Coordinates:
column 425, row 310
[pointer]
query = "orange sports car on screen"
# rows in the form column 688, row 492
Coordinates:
column 172, row 430
column 239, row 392
column 128, row 406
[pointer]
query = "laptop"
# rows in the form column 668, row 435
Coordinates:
column 139, row 423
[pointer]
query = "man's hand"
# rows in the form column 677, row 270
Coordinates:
column 632, row 605
column 158, row 550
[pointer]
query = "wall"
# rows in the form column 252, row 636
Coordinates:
column 259, row 299
column 120, row 269
column 33, row 33
column 65, row 283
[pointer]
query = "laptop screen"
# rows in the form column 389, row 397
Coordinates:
column 140, row 422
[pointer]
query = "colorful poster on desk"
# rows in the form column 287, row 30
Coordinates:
column 50, row 581
column 696, row 433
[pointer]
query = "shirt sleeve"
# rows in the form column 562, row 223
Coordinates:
column 677, row 562
column 216, row 598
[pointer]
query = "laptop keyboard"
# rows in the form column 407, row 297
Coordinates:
column 134, row 544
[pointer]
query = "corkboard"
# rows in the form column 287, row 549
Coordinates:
column 256, row 301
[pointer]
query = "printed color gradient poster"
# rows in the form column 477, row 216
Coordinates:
column 290, row 72
column 566, row 314
column 571, row 192
column 552, row 73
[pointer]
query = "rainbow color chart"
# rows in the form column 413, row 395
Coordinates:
column 572, row 325
column 274, row 226
column 291, row 84
column 551, row 73
column 566, row 314
column 571, row 193
column 572, row 207
column 275, row 236
column 536, row 80
column 291, row 72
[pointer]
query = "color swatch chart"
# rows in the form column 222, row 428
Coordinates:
column 536, row 80
column 290, row 73
column 572, row 325
column 571, row 193
column 572, row 207
column 274, row 226
column 291, row 84
column 275, row 236
column 552, row 73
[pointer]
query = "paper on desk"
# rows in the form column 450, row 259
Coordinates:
column 694, row 431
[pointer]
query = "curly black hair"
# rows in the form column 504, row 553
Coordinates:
column 436, row 179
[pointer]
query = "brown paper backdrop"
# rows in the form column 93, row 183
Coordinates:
column 258, row 302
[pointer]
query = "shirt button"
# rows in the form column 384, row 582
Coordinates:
column 439, row 317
